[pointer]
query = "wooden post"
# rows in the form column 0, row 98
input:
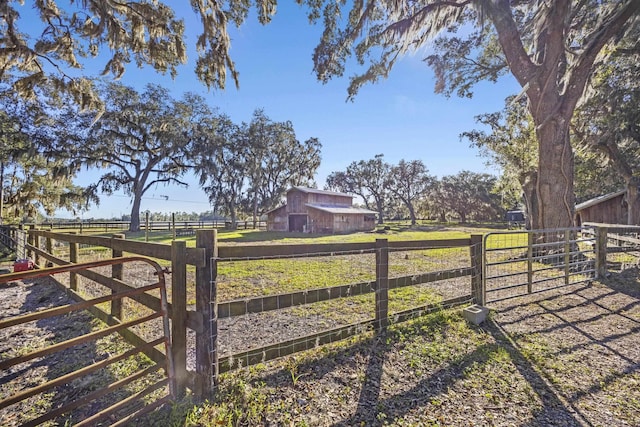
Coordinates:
column 179, row 313
column 530, row 262
column 49, row 245
column 601, row 252
column 73, row 258
column 146, row 227
column 173, row 225
column 382, row 284
column 116, row 273
column 31, row 239
column 477, row 286
column 207, row 307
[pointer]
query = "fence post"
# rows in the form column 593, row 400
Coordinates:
column 146, row 227
column 179, row 313
column 207, row 307
column 173, row 225
column 530, row 262
column 116, row 273
column 477, row 288
column 73, row 258
column 31, row 241
column 49, row 248
column 601, row 252
column 382, row 284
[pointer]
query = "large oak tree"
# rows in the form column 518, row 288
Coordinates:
column 142, row 140
column 367, row 179
column 549, row 47
column 46, row 44
column 608, row 122
column 33, row 178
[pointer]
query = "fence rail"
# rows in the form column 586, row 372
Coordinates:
column 180, row 226
column 384, row 282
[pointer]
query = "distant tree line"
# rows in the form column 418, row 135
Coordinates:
column 407, row 191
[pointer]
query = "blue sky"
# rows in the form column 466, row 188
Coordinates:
column 399, row 117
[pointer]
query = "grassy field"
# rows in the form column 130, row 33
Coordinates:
column 242, row 279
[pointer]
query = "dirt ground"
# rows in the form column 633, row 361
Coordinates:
column 566, row 357
column 584, row 342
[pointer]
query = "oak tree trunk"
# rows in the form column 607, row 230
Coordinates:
column 134, row 225
column 529, row 184
column 556, row 199
column 633, row 201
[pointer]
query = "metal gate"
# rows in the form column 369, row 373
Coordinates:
column 517, row 263
column 129, row 373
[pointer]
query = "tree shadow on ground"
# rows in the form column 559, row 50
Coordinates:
column 438, row 382
column 585, row 326
column 376, row 407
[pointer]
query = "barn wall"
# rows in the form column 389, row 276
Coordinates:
column 278, row 220
column 321, row 222
column 328, row 199
column 611, row 211
column 351, row 222
column 297, row 199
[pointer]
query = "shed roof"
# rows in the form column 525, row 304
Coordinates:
column 275, row 209
column 340, row 209
column 599, row 199
column 316, row 191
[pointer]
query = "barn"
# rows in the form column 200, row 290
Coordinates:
column 610, row 209
column 309, row 210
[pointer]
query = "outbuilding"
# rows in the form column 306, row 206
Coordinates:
column 609, row 208
column 309, row 210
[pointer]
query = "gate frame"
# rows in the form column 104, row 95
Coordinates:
column 566, row 254
column 89, row 305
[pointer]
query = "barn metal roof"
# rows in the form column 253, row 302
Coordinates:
column 340, row 209
column 599, row 199
column 316, row 191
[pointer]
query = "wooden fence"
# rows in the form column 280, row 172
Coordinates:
column 203, row 318
column 380, row 287
column 9, row 236
column 177, row 225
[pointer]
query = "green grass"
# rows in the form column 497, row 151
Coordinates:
column 435, row 345
column 395, row 233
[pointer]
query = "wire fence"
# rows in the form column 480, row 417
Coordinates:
column 274, row 306
column 623, row 245
column 523, row 262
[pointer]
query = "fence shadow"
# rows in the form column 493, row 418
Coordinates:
column 588, row 327
column 373, row 403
